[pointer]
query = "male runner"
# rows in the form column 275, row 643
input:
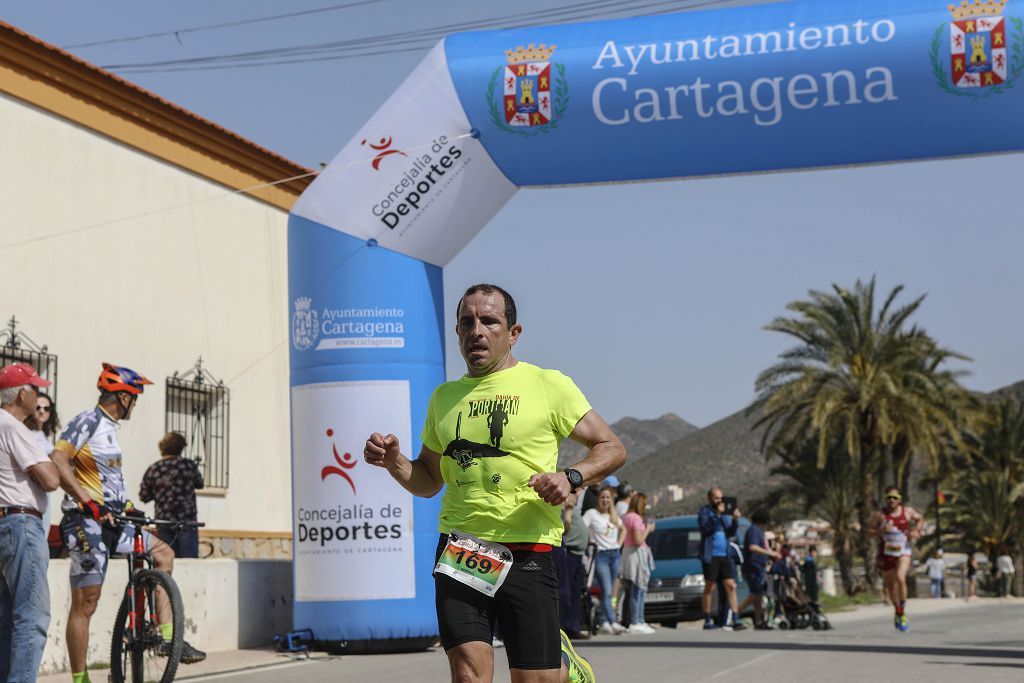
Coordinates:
column 88, row 458
column 514, row 495
column 896, row 525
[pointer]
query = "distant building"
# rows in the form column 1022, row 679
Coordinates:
column 136, row 232
column 802, row 533
column 666, row 494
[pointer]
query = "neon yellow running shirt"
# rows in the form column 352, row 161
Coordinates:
column 493, row 434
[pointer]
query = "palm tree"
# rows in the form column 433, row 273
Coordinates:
column 870, row 382
column 829, row 491
column 987, row 492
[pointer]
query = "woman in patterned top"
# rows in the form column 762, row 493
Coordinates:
column 172, row 481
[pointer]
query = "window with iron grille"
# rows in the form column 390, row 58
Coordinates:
column 198, row 407
column 17, row 347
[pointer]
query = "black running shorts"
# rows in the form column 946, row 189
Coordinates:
column 718, row 568
column 525, row 607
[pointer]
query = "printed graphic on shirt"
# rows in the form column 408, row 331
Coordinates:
column 91, row 440
column 497, row 410
column 464, row 452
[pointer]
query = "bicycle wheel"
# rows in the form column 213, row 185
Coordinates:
column 137, row 650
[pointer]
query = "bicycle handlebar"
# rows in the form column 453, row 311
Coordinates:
column 145, row 520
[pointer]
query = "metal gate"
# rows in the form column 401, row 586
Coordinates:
column 197, row 406
column 17, row 347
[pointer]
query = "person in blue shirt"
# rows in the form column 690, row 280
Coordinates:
column 716, row 528
column 810, row 572
column 757, row 552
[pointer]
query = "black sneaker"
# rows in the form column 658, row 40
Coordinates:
column 739, row 626
column 190, row 655
column 763, row 626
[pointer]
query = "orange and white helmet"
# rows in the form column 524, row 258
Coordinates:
column 115, row 378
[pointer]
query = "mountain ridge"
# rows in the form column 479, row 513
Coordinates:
column 640, row 437
column 725, row 453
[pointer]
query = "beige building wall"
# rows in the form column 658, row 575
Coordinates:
column 111, row 254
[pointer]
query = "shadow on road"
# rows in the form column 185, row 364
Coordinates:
column 1000, row 665
column 999, row 643
column 935, row 651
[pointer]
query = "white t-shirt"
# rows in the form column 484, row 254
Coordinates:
column 621, row 508
column 936, row 568
column 1004, row 564
column 52, row 498
column 44, row 444
column 602, row 531
column 18, row 452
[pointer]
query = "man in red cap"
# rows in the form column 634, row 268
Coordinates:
column 26, row 474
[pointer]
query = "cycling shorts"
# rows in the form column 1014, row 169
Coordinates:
column 525, row 608
column 90, row 545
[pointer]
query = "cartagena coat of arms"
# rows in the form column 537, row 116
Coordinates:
column 530, row 94
column 304, row 324
column 986, row 49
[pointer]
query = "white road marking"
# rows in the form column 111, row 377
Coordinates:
column 744, row 665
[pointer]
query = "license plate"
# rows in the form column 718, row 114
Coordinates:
column 660, row 597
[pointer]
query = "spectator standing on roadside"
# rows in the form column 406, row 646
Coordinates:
column 26, row 474
column 620, row 595
column 716, row 528
column 606, row 532
column 624, row 493
column 44, row 423
column 569, row 560
column 971, row 571
column 637, row 561
column 588, row 501
column 725, row 613
column 172, row 482
column 1005, row 571
column 810, row 573
column 936, row 573
column 757, row 552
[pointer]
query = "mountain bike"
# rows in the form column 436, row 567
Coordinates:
column 138, row 651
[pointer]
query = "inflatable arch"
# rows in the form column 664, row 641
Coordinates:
column 795, row 85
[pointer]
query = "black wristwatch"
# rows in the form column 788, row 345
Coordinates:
column 574, row 477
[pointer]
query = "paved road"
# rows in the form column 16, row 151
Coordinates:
column 949, row 641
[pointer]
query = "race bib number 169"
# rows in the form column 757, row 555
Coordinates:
column 481, row 565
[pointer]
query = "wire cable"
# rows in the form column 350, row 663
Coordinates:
column 422, row 38
column 211, row 27
column 432, row 32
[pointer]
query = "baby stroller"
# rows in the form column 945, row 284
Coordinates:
column 795, row 609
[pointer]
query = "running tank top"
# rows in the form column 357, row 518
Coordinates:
column 895, row 543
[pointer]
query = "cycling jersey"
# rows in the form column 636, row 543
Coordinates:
column 90, row 439
column 493, row 433
column 896, row 542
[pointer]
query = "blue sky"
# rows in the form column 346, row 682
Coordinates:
column 652, row 296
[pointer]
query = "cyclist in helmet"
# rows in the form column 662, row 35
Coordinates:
column 89, row 460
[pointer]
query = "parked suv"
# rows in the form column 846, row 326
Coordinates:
column 677, row 582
